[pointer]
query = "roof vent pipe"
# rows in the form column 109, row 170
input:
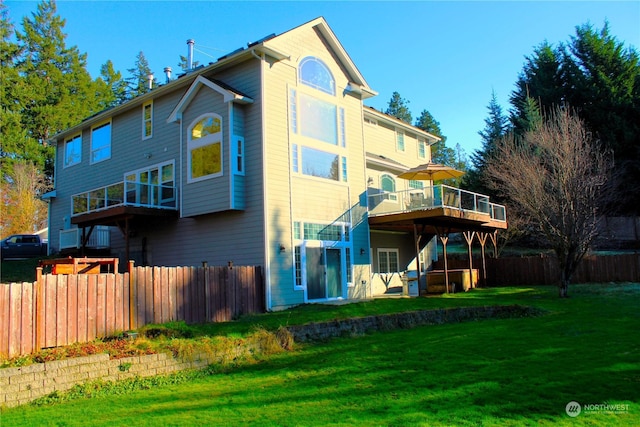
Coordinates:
column 167, row 73
column 190, row 43
column 150, row 79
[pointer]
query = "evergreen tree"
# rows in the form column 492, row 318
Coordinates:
column 138, row 80
column 399, row 108
column 598, row 77
column 440, row 153
column 496, row 127
column 111, row 86
column 14, row 136
column 58, row 90
column 541, row 79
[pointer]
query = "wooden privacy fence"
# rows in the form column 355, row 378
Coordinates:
column 64, row 309
column 545, row 270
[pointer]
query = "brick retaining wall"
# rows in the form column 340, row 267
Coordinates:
column 24, row 384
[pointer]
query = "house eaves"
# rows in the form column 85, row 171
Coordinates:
column 393, row 121
column 228, row 93
column 385, row 162
column 240, row 55
column 357, row 83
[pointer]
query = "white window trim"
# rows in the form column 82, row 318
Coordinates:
column 67, row 141
column 400, row 132
column 238, row 156
column 201, row 142
column 422, row 143
column 105, row 123
column 387, row 251
column 144, row 121
column 340, row 148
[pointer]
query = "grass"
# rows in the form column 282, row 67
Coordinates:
column 496, row 372
column 18, row 271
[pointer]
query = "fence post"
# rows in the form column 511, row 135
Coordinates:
column 207, row 306
column 39, row 309
column 132, row 299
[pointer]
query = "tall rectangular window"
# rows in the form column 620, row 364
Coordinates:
column 388, row 261
column 101, row 142
column 239, row 153
column 73, row 151
column 422, row 149
column 399, row 140
column 147, row 120
column 343, row 133
column 294, row 157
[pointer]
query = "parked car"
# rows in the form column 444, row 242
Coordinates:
column 22, row 246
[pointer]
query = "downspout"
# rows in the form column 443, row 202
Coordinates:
column 181, row 168
column 267, row 251
column 366, row 191
column 232, row 172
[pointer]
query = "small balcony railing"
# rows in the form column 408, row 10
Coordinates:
column 71, row 238
column 387, row 202
column 126, row 193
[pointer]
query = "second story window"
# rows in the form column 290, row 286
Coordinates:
column 147, row 120
column 422, row 149
column 205, row 148
column 399, row 140
column 73, row 151
column 101, row 142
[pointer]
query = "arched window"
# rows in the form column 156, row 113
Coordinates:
column 205, row 147
column 387, row 183
column 314, row 73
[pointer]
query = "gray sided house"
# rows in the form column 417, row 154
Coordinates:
column 267, row 157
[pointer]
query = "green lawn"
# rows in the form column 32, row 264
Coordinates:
column 494, row 372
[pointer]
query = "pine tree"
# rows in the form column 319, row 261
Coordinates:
column 440, row 153
column 138, row 80
column 496, row 127
column 111, row 86
column 399, row 108
column 14, row 136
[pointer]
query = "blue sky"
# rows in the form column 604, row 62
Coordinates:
column 445, row 57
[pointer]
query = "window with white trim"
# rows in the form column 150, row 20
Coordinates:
column 388, row 185
column 422, row 149
column 101, row 142
column 73, row 151
column 315, row 73
column 147, row 120
column 388, row 260
column 204, row 146
column 399, row 140
column 317, row 124
column 239, row 155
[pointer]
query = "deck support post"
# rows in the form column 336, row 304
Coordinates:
column 482, row 237
column 444, row 238
column 468, row 236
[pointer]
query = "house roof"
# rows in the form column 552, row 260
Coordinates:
column 380, row 116
column 379, row 159
column 264, row 46
column 357, row 83
column 229, row 94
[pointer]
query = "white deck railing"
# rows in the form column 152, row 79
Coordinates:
column 126, row 193
column 100, row 238
column 382, row 203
